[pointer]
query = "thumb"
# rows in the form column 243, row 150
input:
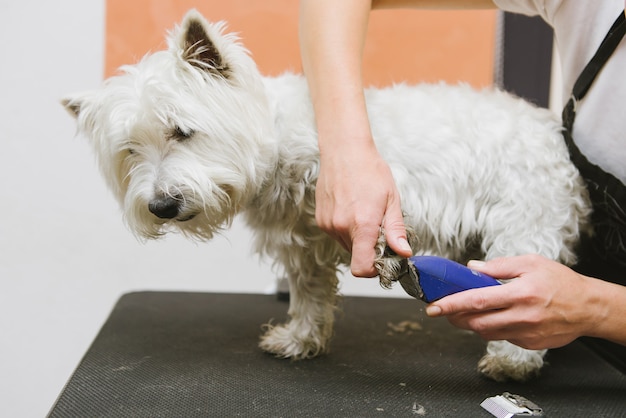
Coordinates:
column 395, row 232
column 501, row 268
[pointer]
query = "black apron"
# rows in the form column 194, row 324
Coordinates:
column 604, row 254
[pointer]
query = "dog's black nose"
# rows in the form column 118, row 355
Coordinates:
column 165, row 207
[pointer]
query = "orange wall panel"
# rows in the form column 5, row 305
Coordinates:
column 402, row 45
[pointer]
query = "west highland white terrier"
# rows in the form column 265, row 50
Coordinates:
column 193, row 135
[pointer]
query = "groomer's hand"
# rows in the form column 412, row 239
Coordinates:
column 546, row 305
column 355, row 195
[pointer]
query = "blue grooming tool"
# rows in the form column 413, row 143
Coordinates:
column 430, row 278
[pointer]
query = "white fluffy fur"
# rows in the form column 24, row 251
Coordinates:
column 481, row 173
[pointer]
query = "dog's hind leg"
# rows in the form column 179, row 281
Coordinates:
column 312, row 302
column 503, row 360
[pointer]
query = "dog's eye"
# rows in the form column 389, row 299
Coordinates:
column 181, row 134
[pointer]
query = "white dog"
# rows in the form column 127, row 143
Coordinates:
column 193, row 135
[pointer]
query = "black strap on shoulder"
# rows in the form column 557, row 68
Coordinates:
column 582, row 85
column 607, row 193
column 602, row 55
column 602, row 255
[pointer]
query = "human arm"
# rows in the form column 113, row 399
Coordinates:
column 356, row 193
column 355, row 190
column 546, row 305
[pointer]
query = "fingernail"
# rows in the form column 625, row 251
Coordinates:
column 475, row 263
column 433, row 310
column 404, row 245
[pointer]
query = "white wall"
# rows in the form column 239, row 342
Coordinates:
column 65, row 255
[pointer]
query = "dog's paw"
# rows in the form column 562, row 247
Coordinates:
column 505, row 361
column 388, row 263
column 286, row 341
column 388, row 266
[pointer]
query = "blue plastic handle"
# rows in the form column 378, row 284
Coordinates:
column 438, row 277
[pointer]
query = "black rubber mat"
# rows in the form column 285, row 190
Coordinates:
column 166, row 354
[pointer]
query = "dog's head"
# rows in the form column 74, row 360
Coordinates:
column 184, row 138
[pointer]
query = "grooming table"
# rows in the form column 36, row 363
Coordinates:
column 168, row 354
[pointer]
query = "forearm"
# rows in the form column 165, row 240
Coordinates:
column 332, row 34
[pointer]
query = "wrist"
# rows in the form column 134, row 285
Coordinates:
column 345, row 142
column 607, row 306
column 342, row 121
column 344, row 132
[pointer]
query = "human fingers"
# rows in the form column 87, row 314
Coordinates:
column 364, row 240
column 507, row 267
column 507, row 325
column 472, row 301
column 330, row 214
column 351, row 217
column 494, row 297
column 395, row 230
column 490, row 324
column 382, row 208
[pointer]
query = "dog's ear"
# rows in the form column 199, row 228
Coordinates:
column 197, row 47
column 72, row 105
column 78, row 103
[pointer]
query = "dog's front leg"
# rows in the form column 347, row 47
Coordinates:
column 312, row 301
